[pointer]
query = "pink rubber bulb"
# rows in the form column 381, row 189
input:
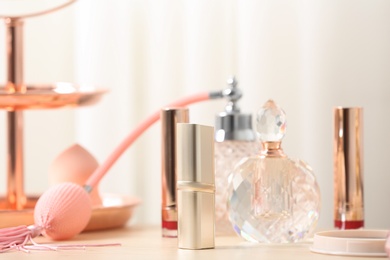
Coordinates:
column 63, row 211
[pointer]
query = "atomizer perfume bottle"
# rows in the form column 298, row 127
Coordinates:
column 234, row 140
column 272, row 198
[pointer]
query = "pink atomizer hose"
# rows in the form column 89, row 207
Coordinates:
column 65, row 209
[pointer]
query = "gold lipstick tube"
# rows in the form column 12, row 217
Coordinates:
column 348, row 168
column 169, row 118
column 195, row 186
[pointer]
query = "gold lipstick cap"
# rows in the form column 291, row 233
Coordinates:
column 348, row 168
column 169, row 118
column 195, row 186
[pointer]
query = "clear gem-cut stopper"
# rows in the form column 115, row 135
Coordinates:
column 271, row 122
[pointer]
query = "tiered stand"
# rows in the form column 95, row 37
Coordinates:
column 17, row 96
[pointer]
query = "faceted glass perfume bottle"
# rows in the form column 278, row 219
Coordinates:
column 272, row 198
column 235, row 139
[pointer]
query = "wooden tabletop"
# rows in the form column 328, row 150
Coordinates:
column 140, row 242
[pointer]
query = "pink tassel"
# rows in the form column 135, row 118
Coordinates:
column 17, row 238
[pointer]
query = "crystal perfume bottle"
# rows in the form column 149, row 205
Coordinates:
column 235, row 139
column 272, row 198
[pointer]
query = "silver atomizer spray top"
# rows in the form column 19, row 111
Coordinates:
column 232, row 124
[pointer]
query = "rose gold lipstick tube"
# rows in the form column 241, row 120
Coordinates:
column 348, row 168
column 195, row 186
column 169, row 118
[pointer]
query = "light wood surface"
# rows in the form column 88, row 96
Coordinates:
column 138, row 242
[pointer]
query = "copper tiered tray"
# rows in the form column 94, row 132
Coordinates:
column 16, row 208
column 57, row 95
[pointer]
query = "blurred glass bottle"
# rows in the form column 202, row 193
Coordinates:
column 272, row 198
column 234, row 140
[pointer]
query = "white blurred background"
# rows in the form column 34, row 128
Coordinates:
column 308, row 56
